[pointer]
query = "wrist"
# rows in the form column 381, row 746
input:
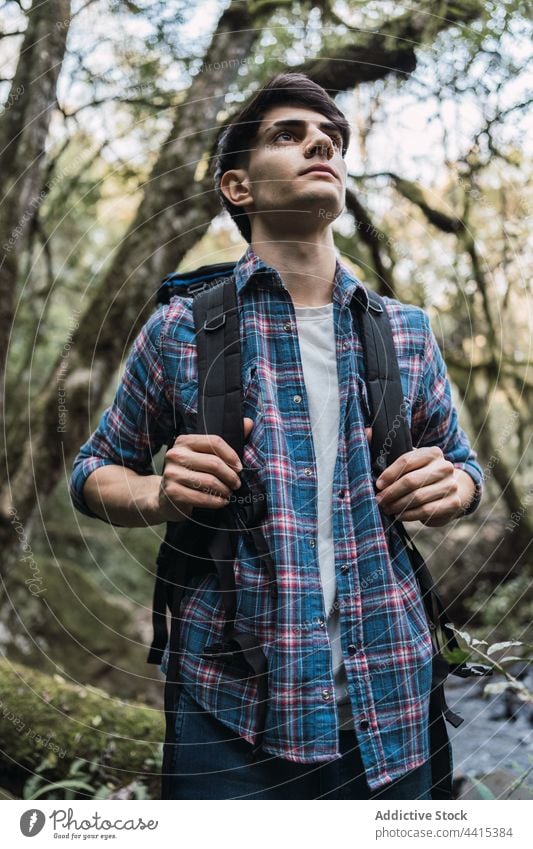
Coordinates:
column 163, row 509
column 466, row 490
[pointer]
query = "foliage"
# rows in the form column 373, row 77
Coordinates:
column 481, row 649
column 82, row 781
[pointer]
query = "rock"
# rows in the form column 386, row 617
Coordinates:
column 68, row 624
column 498, row 783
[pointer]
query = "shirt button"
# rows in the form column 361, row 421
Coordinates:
column 312, row 543
column 364, row 724
column 321, row 623
column 297, row 399
column 344, row 568
column 287, row 326
column 308, row 472
column 326, row 695
column 341, row 493
column 345, row 346
column 352, row 649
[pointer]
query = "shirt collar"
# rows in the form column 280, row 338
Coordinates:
column 345, row 286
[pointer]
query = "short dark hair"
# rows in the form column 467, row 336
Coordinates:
column 235, row 140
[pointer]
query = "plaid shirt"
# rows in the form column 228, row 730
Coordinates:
column 384, row 632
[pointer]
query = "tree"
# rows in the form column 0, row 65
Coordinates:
column 169, row 220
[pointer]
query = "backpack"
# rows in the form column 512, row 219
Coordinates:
column 207, row 541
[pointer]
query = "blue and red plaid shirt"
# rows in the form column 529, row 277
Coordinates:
column 385, row 637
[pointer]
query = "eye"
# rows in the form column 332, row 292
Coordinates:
column 282, row 133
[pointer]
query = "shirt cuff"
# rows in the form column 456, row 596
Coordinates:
column 79, row 475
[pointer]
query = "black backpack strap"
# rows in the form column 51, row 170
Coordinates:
column 216, row 320
column 391, row 437
column 210, row 536
column 217, row 324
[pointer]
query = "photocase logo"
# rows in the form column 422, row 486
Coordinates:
column 32, row 822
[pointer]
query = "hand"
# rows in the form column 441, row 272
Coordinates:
column 200, row 471
column 422, row 485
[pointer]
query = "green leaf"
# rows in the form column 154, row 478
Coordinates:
column 484, row 791
column 74, row 784
column 457, row 655
column 464, row 635
column 500, row 646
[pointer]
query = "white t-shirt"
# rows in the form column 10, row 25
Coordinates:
column 316, row 338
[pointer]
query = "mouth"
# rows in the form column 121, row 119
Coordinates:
column 322, row 170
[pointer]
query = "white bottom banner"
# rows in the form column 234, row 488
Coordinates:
column 228, row 824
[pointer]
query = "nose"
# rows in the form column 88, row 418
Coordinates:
column 320, row 143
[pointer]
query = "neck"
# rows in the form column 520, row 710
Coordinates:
column 307, row 268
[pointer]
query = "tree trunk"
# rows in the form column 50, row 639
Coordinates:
column 45, row 717
column 174, row 212
column 23, row 131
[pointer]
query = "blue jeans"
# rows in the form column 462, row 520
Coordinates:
column 212, row 762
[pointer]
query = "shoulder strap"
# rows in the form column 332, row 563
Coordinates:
column 218, row 345
column 216, row 320
column 218, row 401
column 391, row 436
column 187, row 283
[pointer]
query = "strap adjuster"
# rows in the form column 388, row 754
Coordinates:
column 216, row 322
column 194, row 288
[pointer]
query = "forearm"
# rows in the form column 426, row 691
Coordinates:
column 122, row 497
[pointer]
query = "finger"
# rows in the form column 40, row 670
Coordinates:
column 180, row 456
column 434, row 513
column 415, row 499
column 204, row 483
column 208, row 464
column 415, row 459
column 412, row 481
column 210, row 444
column 433, row 516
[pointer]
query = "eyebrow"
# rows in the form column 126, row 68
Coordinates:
column 298, row 122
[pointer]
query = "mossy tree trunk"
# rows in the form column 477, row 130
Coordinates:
column 43, row 718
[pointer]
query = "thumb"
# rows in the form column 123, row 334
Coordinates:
column 248, row 425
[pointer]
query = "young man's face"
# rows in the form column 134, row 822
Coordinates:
column 282, row 181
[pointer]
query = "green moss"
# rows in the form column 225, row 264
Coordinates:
column 44, row 717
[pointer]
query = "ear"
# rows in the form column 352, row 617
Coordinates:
column 235, row 186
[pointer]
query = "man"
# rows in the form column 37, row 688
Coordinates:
column 348, row 643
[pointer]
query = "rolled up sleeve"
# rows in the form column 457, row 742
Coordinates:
column 137, row 424
column 435, row 420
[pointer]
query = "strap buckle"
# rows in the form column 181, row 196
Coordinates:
column 468, row 670
column 194, row 288
column 216, row 322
